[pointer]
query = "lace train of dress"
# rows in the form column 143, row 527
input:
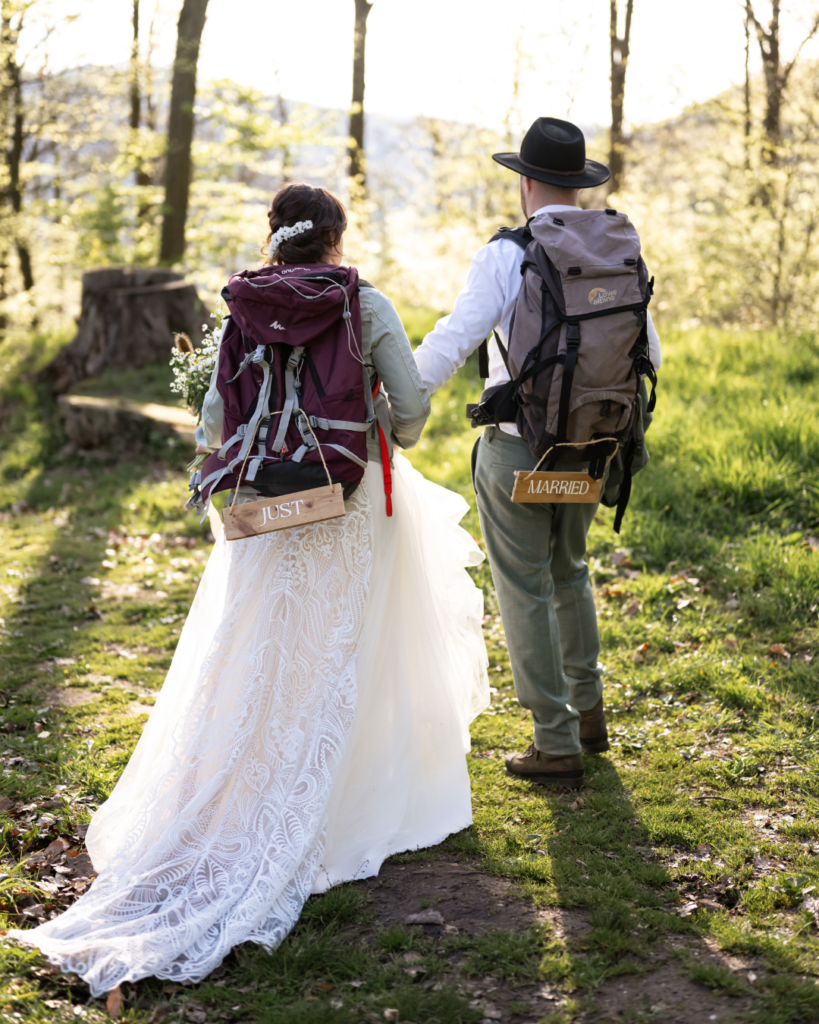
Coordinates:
column 312, row 723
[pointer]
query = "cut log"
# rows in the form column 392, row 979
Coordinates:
column 117, row 424
column 128, row 320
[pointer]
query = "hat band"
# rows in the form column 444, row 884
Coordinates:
column 548, row 170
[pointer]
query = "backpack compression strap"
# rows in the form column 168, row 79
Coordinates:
column 521, row 237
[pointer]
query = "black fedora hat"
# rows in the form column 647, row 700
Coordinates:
column 554, row 152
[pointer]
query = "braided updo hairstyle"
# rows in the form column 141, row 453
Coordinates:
column 297, row 201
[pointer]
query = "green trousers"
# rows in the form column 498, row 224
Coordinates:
column 537, row 556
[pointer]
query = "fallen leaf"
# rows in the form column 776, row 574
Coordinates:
column 5, row 803
column 641, row 654
column 324, row 987
column 114, row 1003
column 730, row 644
column 761, row 863
column 780, row 650
column 391, row 1014
column 683, row 603
column 621, row 556
column 632, row 608
column 55, row 848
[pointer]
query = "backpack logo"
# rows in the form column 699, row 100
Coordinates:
column 597, row 296
column 277, row 326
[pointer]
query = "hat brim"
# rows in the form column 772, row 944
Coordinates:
column 592, row 174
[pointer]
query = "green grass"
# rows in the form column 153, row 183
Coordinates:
column 709, row 795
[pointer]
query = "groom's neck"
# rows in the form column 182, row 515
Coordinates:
column 537, row 194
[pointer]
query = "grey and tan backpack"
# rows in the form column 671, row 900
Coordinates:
column 578, row 344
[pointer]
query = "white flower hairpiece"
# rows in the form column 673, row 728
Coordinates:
column 285, row 232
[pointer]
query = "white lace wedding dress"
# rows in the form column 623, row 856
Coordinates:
column 313, row 722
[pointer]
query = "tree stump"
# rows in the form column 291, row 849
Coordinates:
column 128, row 320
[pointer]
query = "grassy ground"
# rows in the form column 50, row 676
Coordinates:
column 694, row 849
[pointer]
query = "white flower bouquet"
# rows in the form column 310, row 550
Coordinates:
column 192, row 367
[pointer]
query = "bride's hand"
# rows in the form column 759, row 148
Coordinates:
column 202, row 450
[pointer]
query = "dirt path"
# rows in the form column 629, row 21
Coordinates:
column 473, row 903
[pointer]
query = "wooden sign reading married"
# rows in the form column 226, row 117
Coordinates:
column 556, row 487
column 268, row 514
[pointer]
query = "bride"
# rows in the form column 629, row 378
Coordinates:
column 315, row 716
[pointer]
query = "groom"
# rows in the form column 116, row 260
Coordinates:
column 536, row 551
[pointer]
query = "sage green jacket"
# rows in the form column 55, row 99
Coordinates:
column 402, row 404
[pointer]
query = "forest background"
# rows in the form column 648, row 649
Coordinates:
column 100, row 165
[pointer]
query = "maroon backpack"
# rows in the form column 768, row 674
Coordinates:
column 291, row 372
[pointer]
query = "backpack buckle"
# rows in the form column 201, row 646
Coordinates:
column 572, row 335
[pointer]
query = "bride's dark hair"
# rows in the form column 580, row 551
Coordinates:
column 297, row 201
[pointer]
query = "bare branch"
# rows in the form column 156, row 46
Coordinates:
column 789, row 67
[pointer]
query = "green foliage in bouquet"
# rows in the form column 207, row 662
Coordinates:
column 192, row 367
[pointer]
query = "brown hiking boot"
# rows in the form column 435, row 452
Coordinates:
column 544, row 769
column 594, row 737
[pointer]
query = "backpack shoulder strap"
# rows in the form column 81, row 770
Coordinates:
column 521, row 236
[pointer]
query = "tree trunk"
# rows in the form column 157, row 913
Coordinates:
column 136, row 100
column 128, row 319
column 619, row 51
column 143, row 178
column 747, row 97
column 14, row 153
column 356, row 150
column 287, row 156
column 776, row 74
column 180, row 130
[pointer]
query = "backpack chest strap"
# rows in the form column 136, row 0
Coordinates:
column 321, row 423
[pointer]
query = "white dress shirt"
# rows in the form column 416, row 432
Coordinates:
column 486, row 304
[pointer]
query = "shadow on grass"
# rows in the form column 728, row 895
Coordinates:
column 626, row 939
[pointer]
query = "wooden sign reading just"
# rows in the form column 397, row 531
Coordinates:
column 556, row 487
column 268, row 514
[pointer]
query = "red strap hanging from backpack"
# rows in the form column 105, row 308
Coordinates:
column 385, row 460
column 385, row 464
